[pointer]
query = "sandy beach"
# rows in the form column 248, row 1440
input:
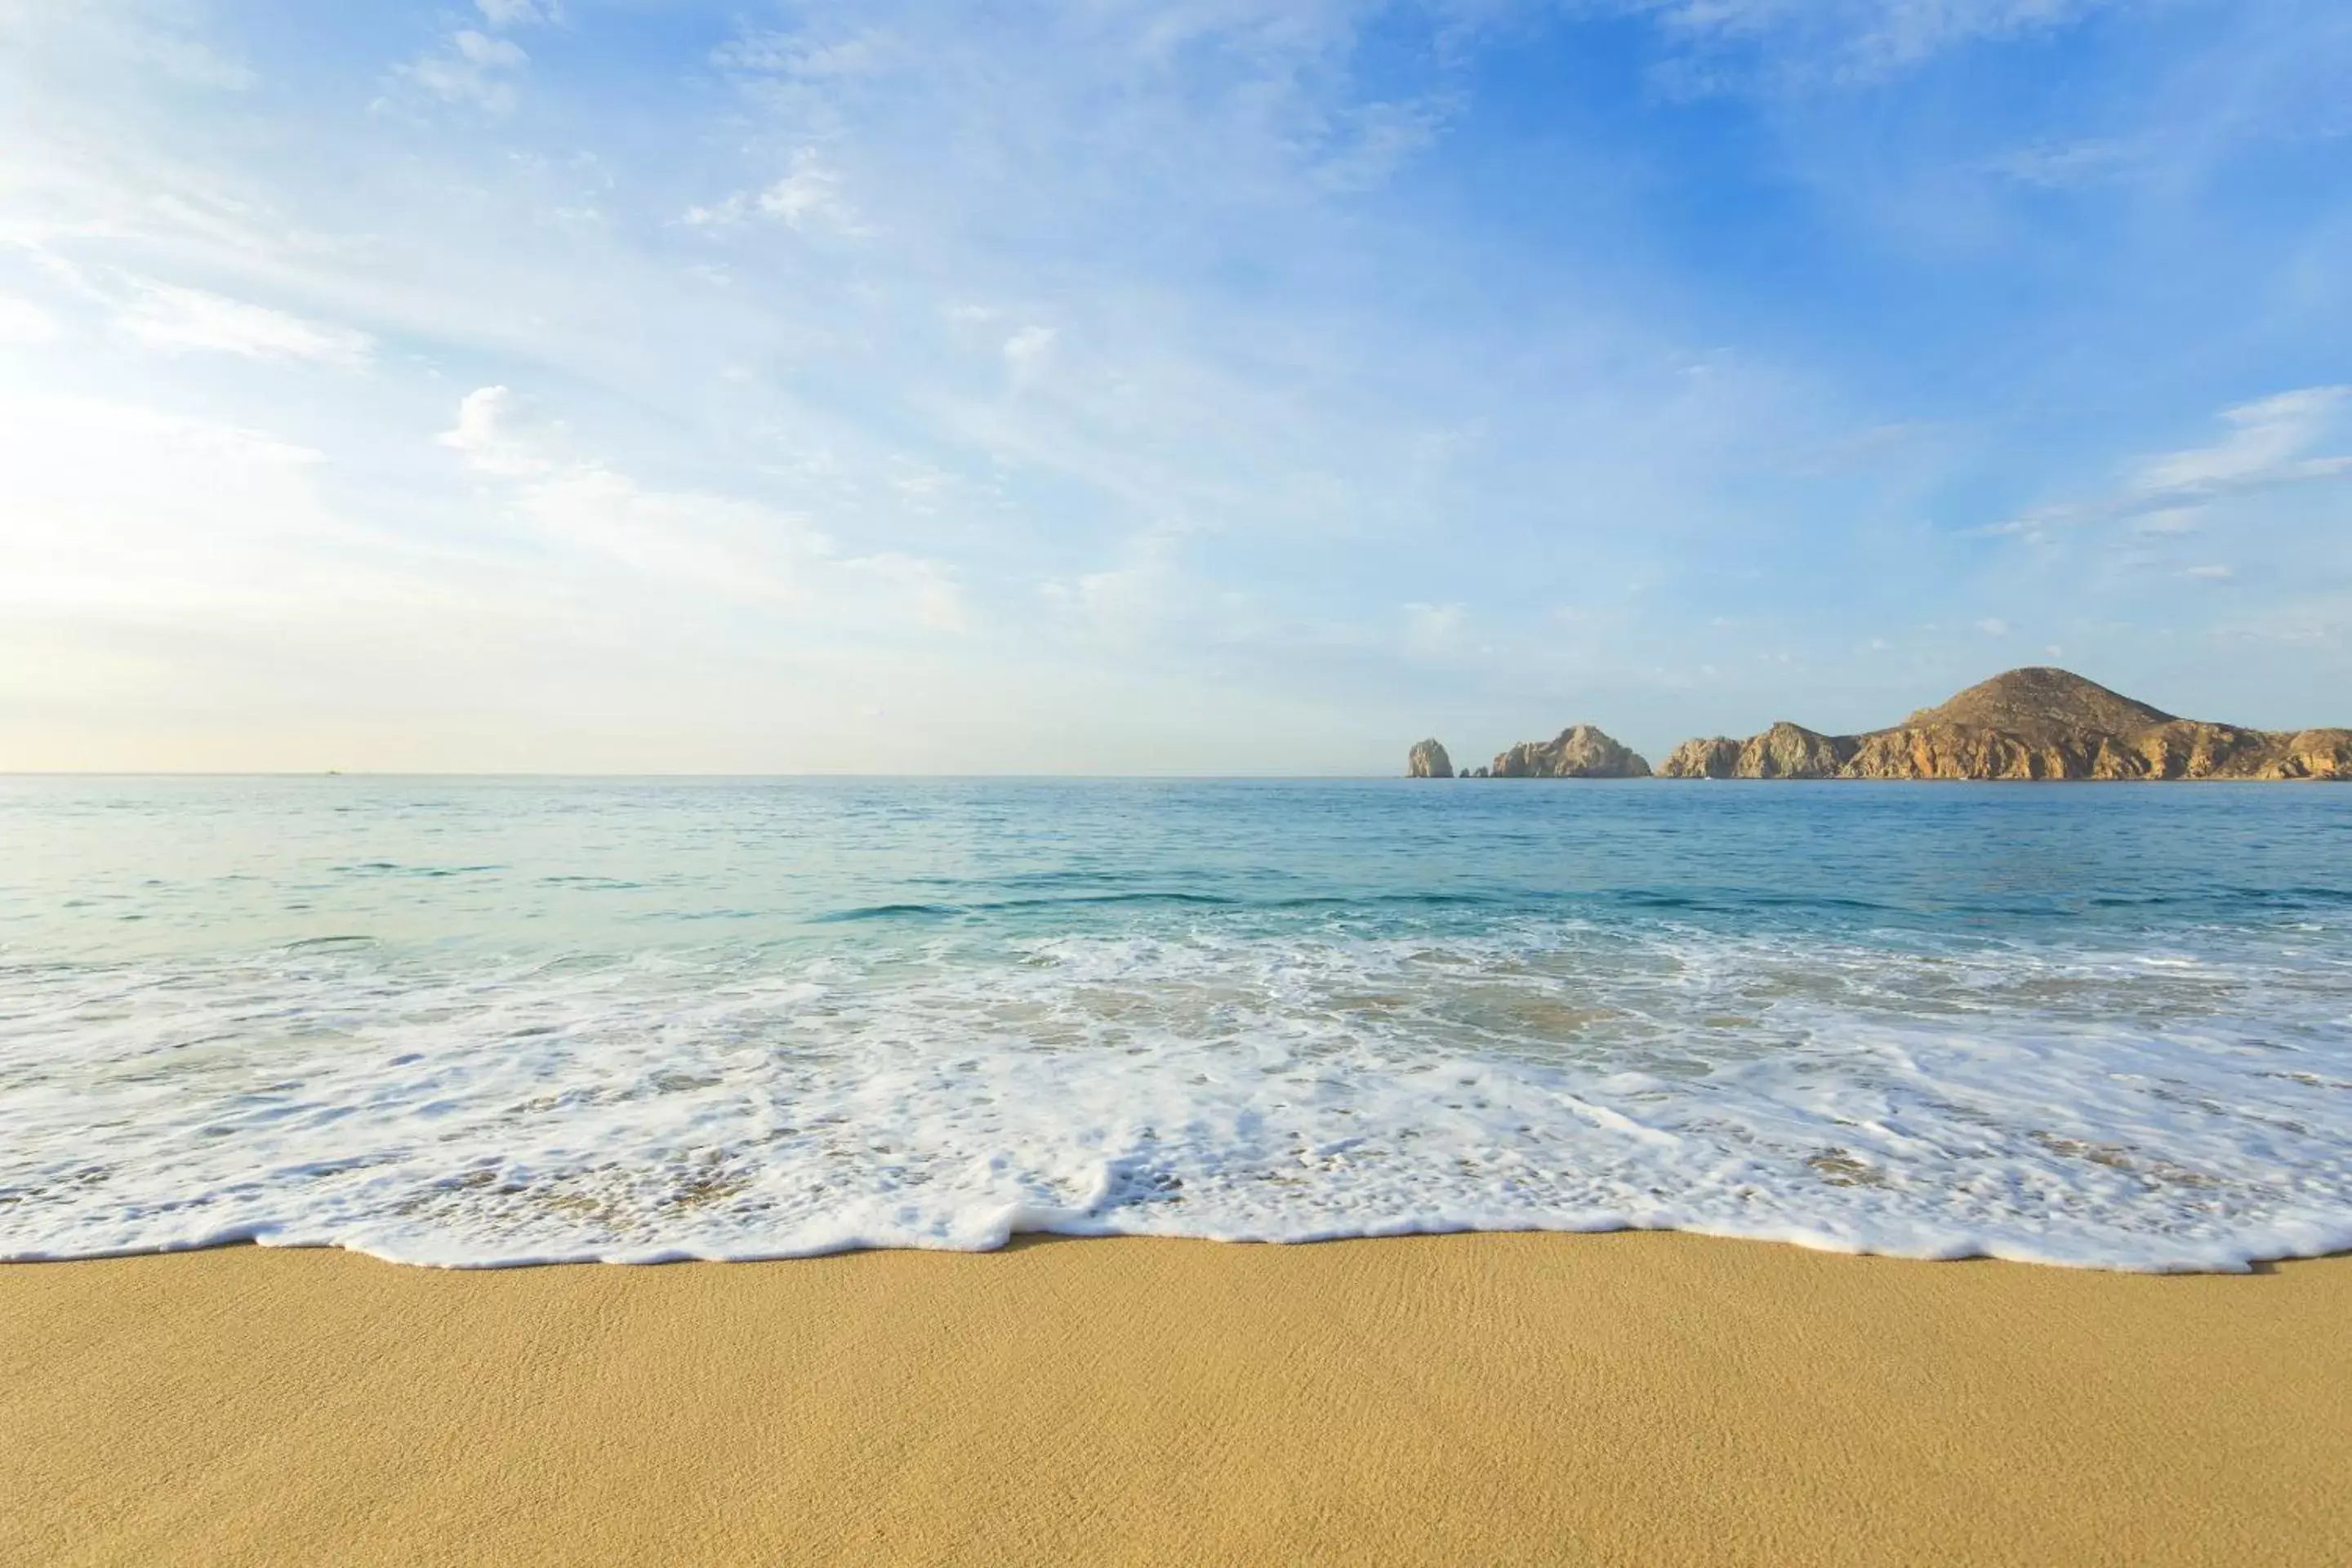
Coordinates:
column 1622, row 1398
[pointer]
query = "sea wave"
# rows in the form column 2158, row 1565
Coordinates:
column 2182, row 1103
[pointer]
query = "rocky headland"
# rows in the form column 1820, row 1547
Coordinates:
column 2034, row 723
column 1579, row 751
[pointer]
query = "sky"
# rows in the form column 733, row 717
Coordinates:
column 1209, row 386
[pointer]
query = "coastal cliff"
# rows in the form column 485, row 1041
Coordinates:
column 1427, row 760
column 1580, row 751
column 2034, row 723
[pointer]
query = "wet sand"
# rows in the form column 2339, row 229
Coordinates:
column 1628, row 1399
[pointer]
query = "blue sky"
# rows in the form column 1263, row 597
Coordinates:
column 1218, row 386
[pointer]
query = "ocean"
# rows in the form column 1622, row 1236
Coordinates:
column 501, row 1021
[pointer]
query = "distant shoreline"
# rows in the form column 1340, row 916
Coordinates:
column 2031, row 725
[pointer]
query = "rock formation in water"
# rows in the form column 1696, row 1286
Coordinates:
column 2036, row 723
column 1428, row 761
column 1581, row 751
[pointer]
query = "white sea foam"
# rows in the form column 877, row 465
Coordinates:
column 2131, row 1110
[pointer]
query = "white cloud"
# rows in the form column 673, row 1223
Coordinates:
column 174, row 320
column 2213, row 573
column 518, row 12
column 696, row 541
column 502, row 435
column 479, row 48
column 129, row 424
column 1805, row 41
column 809, row 196
column 1027, row 351
column 1993, row 627
column 1260, row 97
column 2065, row 165
column 807, row 57
column 923, row 487
column 2266, row 446
column 470, row 68
column 1135, row 601
column 1369, row 144
column 2269, row 446
column 477, row 69
column 148, row 35
column 187, row 61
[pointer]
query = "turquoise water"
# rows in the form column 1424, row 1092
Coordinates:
column 497, row 1021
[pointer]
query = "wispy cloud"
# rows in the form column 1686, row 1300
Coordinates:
column 2067, row 165
column 1131, row 602
column 518, row 12
column 807, row 57
column 470, row 68
column 481, row 69
column 1833, row 41
column 154, row 38
column 2269, row 446
column 174, row 320
column 188, row 61
column 808, row 196
column 700, row 541
column 1027, row 351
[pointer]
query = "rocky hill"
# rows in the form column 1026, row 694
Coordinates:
column 2036, row 723
column 1427, row 760
column 1580, row 751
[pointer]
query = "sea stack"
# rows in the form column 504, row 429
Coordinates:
column 1428, row 761
column 1580, row 751
column 2031, row 723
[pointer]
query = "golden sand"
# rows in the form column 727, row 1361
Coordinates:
column 1632, row 1398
